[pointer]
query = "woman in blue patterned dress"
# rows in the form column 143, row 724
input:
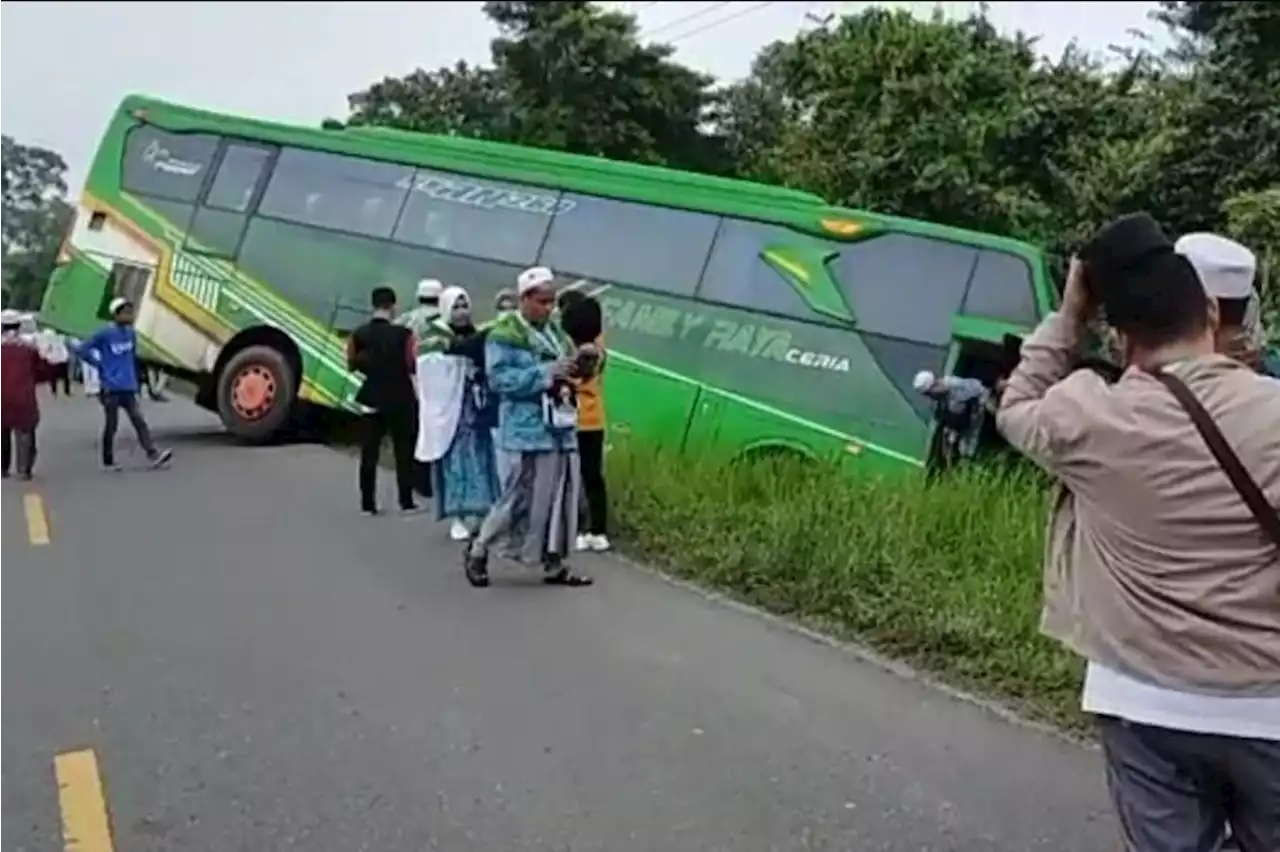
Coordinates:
column 466, row 478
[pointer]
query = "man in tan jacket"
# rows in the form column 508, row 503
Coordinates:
column 1157, row 572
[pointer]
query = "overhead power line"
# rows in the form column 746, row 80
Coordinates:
column 719, row 21
column 684, row 19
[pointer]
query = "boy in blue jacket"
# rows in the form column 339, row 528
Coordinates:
column 113, row 350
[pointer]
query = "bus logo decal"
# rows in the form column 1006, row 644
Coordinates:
column 457, row 191
column 162, row 160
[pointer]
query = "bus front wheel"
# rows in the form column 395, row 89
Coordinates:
column 256, row 391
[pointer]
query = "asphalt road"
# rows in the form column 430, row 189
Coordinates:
column 257, row 667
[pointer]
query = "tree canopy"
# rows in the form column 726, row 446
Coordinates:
column 35, row 214
column 938, row 119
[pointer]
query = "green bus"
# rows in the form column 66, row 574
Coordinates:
column 741, row 318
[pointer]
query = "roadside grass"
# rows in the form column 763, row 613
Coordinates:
column 944, row 575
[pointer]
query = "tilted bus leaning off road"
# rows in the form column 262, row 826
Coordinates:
column 741, row 317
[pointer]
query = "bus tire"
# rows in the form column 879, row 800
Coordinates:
column 256, row 392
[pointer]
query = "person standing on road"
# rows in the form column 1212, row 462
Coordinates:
column 582, row 319
column 506, row 302
column 466, row 479
column 113, row 352
column 53, row 349
column 386, row 353
column 1163, row 560
column 421, row 320
column 21, row 369
column 422, row 317
column 531, row 362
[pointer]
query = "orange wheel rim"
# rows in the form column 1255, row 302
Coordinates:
column 253, row 391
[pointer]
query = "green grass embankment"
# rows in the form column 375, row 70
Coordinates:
column 945, row 576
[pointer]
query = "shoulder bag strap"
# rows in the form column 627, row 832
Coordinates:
column 1267, row 516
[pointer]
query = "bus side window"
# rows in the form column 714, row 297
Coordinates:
column 1001, row 288
column 237, row 177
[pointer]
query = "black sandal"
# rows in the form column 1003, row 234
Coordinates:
column 566, row 577
column 477, row 570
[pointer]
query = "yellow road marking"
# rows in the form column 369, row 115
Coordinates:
column 37, row 520
column 84, row 810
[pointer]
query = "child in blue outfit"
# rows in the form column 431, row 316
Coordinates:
column 113, row 351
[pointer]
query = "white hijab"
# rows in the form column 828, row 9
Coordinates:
column 441, row 384
column 449, row 300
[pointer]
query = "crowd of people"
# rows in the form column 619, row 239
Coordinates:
column 107, row 363
column 1162, row 566
column 501, row 424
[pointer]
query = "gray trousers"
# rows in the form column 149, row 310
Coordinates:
column 537, row 509
column 1177, row 791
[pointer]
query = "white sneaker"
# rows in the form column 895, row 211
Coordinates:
column 458, row 531
column 583, row 543
column 598, row 543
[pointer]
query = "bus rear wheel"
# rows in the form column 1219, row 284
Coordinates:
column 256, row 390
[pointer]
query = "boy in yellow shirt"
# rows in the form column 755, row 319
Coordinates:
column 580, row 317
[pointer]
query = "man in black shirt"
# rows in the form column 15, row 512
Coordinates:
column 386, row 354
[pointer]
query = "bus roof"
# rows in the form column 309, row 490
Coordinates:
column 553, row 170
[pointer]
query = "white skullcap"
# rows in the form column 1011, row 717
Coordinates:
column 116, row 304
column 430, row 288
column 923, row 381
column 10, row 317
column 534, row 277
column 1225, row 267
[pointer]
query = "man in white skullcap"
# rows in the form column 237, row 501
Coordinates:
column 113, row 351
column 421, row 318
column 531, row 365
column 961, row 407
column 1228, row 271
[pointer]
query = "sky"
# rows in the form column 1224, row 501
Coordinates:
column 65, row 65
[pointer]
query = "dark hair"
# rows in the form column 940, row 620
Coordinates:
column 383, row 298
column 1156, row 301
column 582, row 319
column 568, row 298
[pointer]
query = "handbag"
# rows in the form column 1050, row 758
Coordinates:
column 1266, row 515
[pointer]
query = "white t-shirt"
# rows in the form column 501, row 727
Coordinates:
column 1108, row 692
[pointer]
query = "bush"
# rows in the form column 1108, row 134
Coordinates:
column 944, row 575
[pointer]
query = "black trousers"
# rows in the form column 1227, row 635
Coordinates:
column 22, row 444
column 422, row 476
column 401, row 424
column 112, row 404
column 61, row 374
column 591, row 463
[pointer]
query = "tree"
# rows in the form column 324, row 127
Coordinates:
column 35, row 217
column 943, row 120
column 889, row 112
column 565, row 75
column 1228, row 140
column 748, row 117
column 463, row 100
